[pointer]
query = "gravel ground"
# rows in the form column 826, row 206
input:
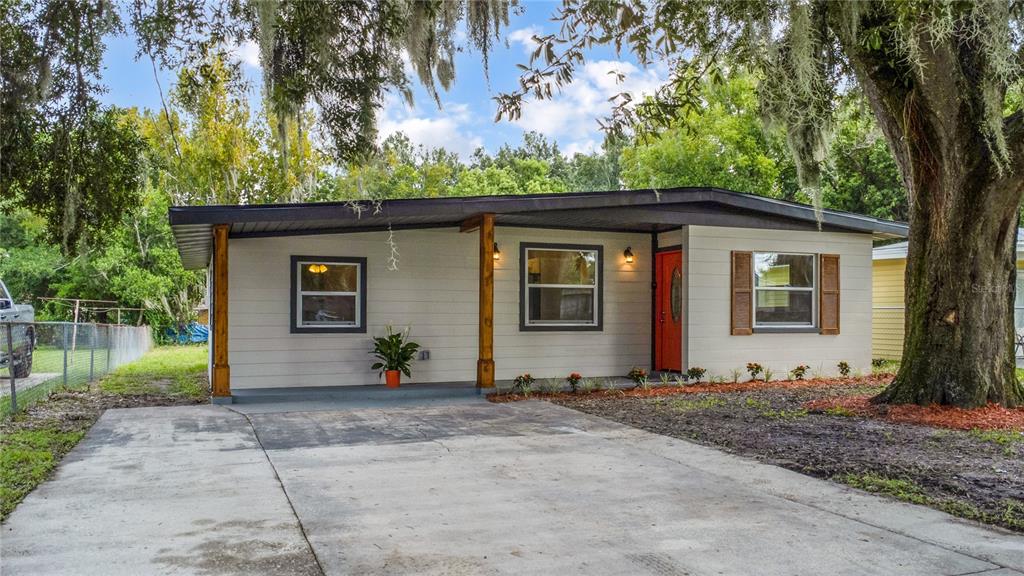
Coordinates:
column 970, row 474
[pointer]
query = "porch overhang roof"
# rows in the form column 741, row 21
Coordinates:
column 616, row 211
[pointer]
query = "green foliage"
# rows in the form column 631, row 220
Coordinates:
column 799, row 372
column 844, row 368
column 721, row 143
column 860, row 174
column 394, row 351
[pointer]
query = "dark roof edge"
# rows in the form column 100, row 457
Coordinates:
column 465, row 206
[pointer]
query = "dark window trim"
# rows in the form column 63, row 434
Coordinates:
column 786, row 330
column 523, row 326
column 360, row 329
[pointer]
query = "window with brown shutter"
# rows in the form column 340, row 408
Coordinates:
column 741, row 304
column 828, row 304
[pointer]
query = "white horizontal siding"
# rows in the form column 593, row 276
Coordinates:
column 434, row 291
column 709, row 343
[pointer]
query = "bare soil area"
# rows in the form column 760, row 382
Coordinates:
column 976, row 474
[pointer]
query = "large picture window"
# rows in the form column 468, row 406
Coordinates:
column 560, row 287
column 328, row 294
column 784, row 289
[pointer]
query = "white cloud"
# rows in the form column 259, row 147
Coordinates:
column 571, row 116
column 524, row 37
column 448, row 129
column 247, row 53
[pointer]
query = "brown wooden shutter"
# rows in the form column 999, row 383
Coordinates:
column 828, row 300
column 741, row 312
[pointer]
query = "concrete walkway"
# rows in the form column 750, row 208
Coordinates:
column 470, row 488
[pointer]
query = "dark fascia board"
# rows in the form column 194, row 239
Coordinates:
column 456, row 209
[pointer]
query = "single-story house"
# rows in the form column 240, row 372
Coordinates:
column 889, row 265
column 496, row 286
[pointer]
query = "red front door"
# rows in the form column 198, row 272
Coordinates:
column 668, row 312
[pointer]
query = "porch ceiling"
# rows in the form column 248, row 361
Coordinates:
column 621, row 211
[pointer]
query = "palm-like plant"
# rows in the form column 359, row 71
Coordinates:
column 394, row 351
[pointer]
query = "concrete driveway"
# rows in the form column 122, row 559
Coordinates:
column 472, row 488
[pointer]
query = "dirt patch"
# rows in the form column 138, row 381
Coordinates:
column 68, row 410
column 973, row 474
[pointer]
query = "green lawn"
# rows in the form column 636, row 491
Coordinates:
column 26, row 459
column 171, row 370
column 33, row 443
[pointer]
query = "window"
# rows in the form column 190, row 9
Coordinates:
column 784, row 290
column 328, row 294
column 560, row 287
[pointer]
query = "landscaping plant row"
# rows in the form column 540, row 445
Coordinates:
column 525, row 384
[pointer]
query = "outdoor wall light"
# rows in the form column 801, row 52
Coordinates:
column 628, row 254
column 497, row 253
column 317, row 268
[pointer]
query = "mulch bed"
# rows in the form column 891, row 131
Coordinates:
column 976, row 473
column 991, row 417
column 658, row 391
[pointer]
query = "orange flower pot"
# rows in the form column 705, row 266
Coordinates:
column 392, row 378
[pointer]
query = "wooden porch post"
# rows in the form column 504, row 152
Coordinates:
column 221, row 385
column 485, row 362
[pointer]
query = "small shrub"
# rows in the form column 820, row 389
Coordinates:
column 680, row 380
column 721, row 379
column 769, row 374
column 637, row 375
column 736, row 372
column 799, row 372
column 754, row 369
column 551, row 386
column 844, row 368
column 878, row 362
column 587, row 385
column 523, row 384
column 696, row 373
column 666, row 379
column 573, row 380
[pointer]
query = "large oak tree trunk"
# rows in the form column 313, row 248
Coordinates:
column 961, row 264
column 960, row 276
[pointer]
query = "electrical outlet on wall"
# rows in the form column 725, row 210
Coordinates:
column 424, row 354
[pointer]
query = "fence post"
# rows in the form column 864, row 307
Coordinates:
column 10, row 366
column 109, row 347
column 92, row 353
column 64, row 339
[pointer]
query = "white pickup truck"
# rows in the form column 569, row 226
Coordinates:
column 21, row 317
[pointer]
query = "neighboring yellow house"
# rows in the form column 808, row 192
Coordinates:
column 888, row 266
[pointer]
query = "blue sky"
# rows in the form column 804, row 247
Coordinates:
column 466, row 118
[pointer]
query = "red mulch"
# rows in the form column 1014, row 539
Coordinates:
column 991, row 417
column 655, row 391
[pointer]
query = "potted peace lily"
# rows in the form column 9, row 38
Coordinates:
column 395, row 353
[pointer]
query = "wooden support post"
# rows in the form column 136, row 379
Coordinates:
column 485, row 361
column 221, row 387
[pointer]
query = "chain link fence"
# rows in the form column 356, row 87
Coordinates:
column 38, row 357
